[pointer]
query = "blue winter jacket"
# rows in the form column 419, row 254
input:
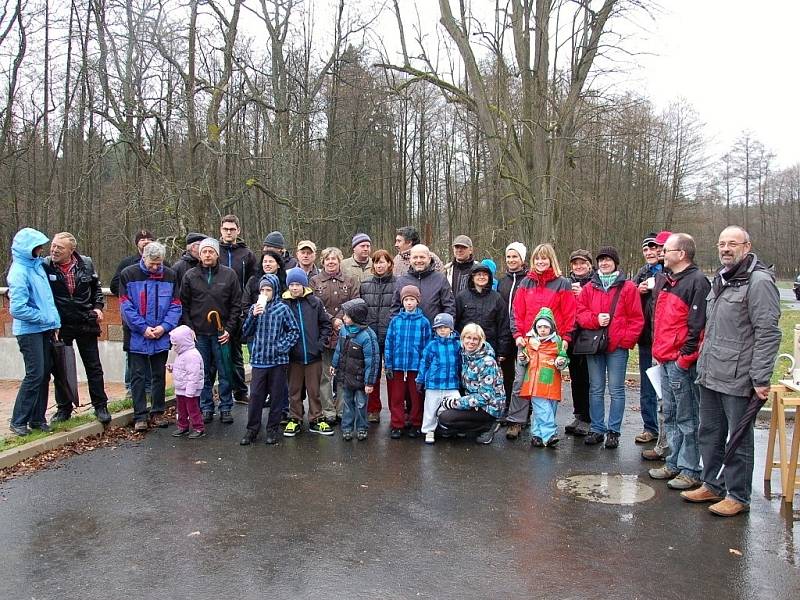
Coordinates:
column 32, row 304
column 149, row 300
column 440, row 367
column 274, row 333
column 482, row 381
column 348, row 358
column 408, row 334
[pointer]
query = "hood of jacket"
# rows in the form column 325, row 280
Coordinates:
column 740, row 273
column 182, row 337
column 237, row 243
column 24, row 242
column 546, row 314
column 479, row 268
column 542, row 278
column 287, row 295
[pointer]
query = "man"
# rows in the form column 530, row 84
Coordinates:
column 359, row 266
column 190, row 258
column 679, row 318
column 436, row 294
column 458, row 270
column 235, row 255
column 150, row 307
column 35, row 324
column 652, row 250
column 306, row 257
column 79, row 299
column 406, row 238
column 208, row 287
column 275, row 241
column 741, row 343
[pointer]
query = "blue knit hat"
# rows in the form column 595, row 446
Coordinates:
column 296, row 275
column 270, row 280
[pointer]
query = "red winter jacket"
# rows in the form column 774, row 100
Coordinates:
column 539, row 290
column 627, row 321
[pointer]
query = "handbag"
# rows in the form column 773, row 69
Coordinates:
column 595, row 341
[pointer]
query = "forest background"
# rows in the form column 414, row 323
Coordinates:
column 318, row 119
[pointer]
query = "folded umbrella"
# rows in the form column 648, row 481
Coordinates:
column 65, row 372
column 745, row 422
column 226, row 366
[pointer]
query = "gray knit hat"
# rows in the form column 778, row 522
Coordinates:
column 209, row 242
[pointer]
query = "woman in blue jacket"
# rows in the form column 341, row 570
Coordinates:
column 36, row 323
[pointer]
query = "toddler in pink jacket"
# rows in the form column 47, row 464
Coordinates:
column 188, row 377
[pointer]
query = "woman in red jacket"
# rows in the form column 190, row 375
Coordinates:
column 542, row 287
column 624, row 327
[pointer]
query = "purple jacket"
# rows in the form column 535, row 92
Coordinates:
column 187, row 372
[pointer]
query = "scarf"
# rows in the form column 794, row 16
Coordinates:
column 609, row 279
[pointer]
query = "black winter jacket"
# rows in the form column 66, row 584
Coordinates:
column 237, row 256
column 314, row 323
column 378, row 293
column 508, row 287
column 204, row 290
column 182, row 265
column 648, row 306
column 436, row 293
column 77, row 310
column 487, row 309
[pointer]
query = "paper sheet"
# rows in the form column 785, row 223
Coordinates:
column 654, row 375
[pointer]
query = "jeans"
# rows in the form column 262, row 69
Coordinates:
column 90, row 355
column 211, row 351
column 156, row 366
column 648, row 401
column 31, row 403
column 543, row 423
column 612, row 364
column 270, row 381
column 681, row 403
column 354, row 409
column 147, row 377
column 719, row 414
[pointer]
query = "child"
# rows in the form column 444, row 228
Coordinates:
column 274, row 331
column 188, row 378
column 545, row 356
column 305, row 358
column 439, row 372
column 409, row 332
column 357, row 362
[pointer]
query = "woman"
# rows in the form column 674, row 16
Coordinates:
column 334, row 289
column 378, row 292
column 478, row 410
column 480, row 304
column 508, row 286
column 596, row 310
column 272, row 263
column 581, row 271
column 542, row 287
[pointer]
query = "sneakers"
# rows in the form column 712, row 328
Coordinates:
column 226, row 417
column 196, row 434
column 361, row 435
column 651, row 454
column 292, row 428
column 208, row 416
column 551, row 443
column 271, row 436
column 140, row 426
column 102, row 415
column 683, row 482
column 645, row 437
column 537, row 442
column 321, row 427
column 373, row 417
column 612, row 440
column 180, row 432
column 60, row 417
column 347, row 435
column 249, row 438
column 662, row 473
column 285, row 419
column 20, row 430
column 396, row 434
column 593, row 438
column 159, row 421
column 701, row 494
column 241, row 398
column 513, row 430
column 728, row 508
column 488, row 436
column 430, row 438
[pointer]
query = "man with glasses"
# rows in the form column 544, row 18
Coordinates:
column 741, row 343
column 680, row 316
column 652, row 250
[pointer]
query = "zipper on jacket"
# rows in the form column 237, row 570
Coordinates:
column 302, row 330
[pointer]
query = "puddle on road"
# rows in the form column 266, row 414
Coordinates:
column 607, row 488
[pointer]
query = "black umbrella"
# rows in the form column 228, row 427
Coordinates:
column 65, row 372
column 735, row 437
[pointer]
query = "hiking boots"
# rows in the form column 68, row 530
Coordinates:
column 701, row 494
column 612, row 440
column 594, row 438
column 101, row 414
column 249, row 438
column 728, row 508
column 513, row 430
column 271, row 437
column 60, row 417
column 226, row 417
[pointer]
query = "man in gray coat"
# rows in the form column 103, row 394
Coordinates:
column 736, row 361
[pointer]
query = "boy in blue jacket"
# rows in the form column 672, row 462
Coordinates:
column 439, row 372
column 274, row 331
column 305, row 358
column 356, row 364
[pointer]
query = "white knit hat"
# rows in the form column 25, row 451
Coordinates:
column 519, row 248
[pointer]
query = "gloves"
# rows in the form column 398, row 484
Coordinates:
column 450, row 403
column 560, row 362
column 389, row 374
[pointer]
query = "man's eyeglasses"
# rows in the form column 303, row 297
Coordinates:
column 731, row 245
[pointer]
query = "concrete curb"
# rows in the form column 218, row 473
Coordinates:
column 15, row 455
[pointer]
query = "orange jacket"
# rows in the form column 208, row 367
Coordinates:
column 542, row 379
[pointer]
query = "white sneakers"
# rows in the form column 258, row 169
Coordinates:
column 430, row 438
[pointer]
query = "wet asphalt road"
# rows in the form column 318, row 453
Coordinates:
column 318, row 517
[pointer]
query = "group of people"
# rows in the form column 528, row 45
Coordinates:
column 462, row 352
